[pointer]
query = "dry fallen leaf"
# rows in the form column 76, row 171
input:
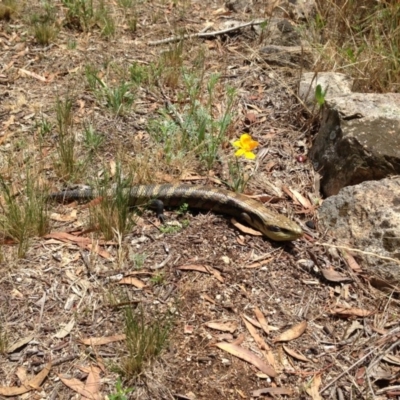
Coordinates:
column 270, row 6
column 294, row 354
column 248, row 356
column 302, row 200
column 252, row 321
column 113, row 168
column 313, row 388
column 273, row 390
column 383, row 285
column 98, row 341
column 351, row 261
column 293, row 333
column 84, row 242
column 34, row 383
column 351, row 312
column 130, row 280
column 21, row 374
column 260, row 342
column 23, row 71
column 72, row 216
column 333, row 276
column 262, row 320
column 229, row 326
column 244, row 228
column 92, row 384
column 76, row 385
column 392, row 359
column 66, row 330
column 257, row 338
column 202, row 268
column 19, row 343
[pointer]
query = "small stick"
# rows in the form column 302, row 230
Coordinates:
column 367, row 253
column 173, row 39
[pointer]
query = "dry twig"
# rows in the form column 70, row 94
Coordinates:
column 173, row 39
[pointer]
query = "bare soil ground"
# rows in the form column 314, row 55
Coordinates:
column 340, row 332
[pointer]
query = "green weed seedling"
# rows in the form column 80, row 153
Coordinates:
column 121, row 393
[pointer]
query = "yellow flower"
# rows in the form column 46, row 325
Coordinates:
column 246, row 144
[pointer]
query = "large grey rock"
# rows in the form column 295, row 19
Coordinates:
column 367, row 217
column 359, row 140
column 334, row 83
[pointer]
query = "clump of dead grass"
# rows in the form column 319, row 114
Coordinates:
column 360, row 38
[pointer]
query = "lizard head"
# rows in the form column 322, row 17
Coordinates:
column 277, row 228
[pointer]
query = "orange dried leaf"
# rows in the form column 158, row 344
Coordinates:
column 351, row 262
column 313, row 388
column 229, row 326
column 203, row 268
column 198, row 268
column 40, row 377
column 252, row 321
column 76, row 385
column 294, row 354
column 333, row 276
column 68, row 238
column 23, row 71
column 273, row 390
column 21, row 374
column 102, row 253
column 64, row 217
column 244, row 228
column 92, row 384
column 302, row 200
column 262, row 320
column 130, row 280
column 34, row 383
column 257, row 338
column 99, row 341
column 293, row 333
column 248, row 356
column 351, row 312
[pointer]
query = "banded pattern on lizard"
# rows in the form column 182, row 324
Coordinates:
column 271, row 224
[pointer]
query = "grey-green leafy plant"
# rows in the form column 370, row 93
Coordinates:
column 119, row 98
column 137, row 259
column 92, row 140
column 194, row 127
column 238, row 178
